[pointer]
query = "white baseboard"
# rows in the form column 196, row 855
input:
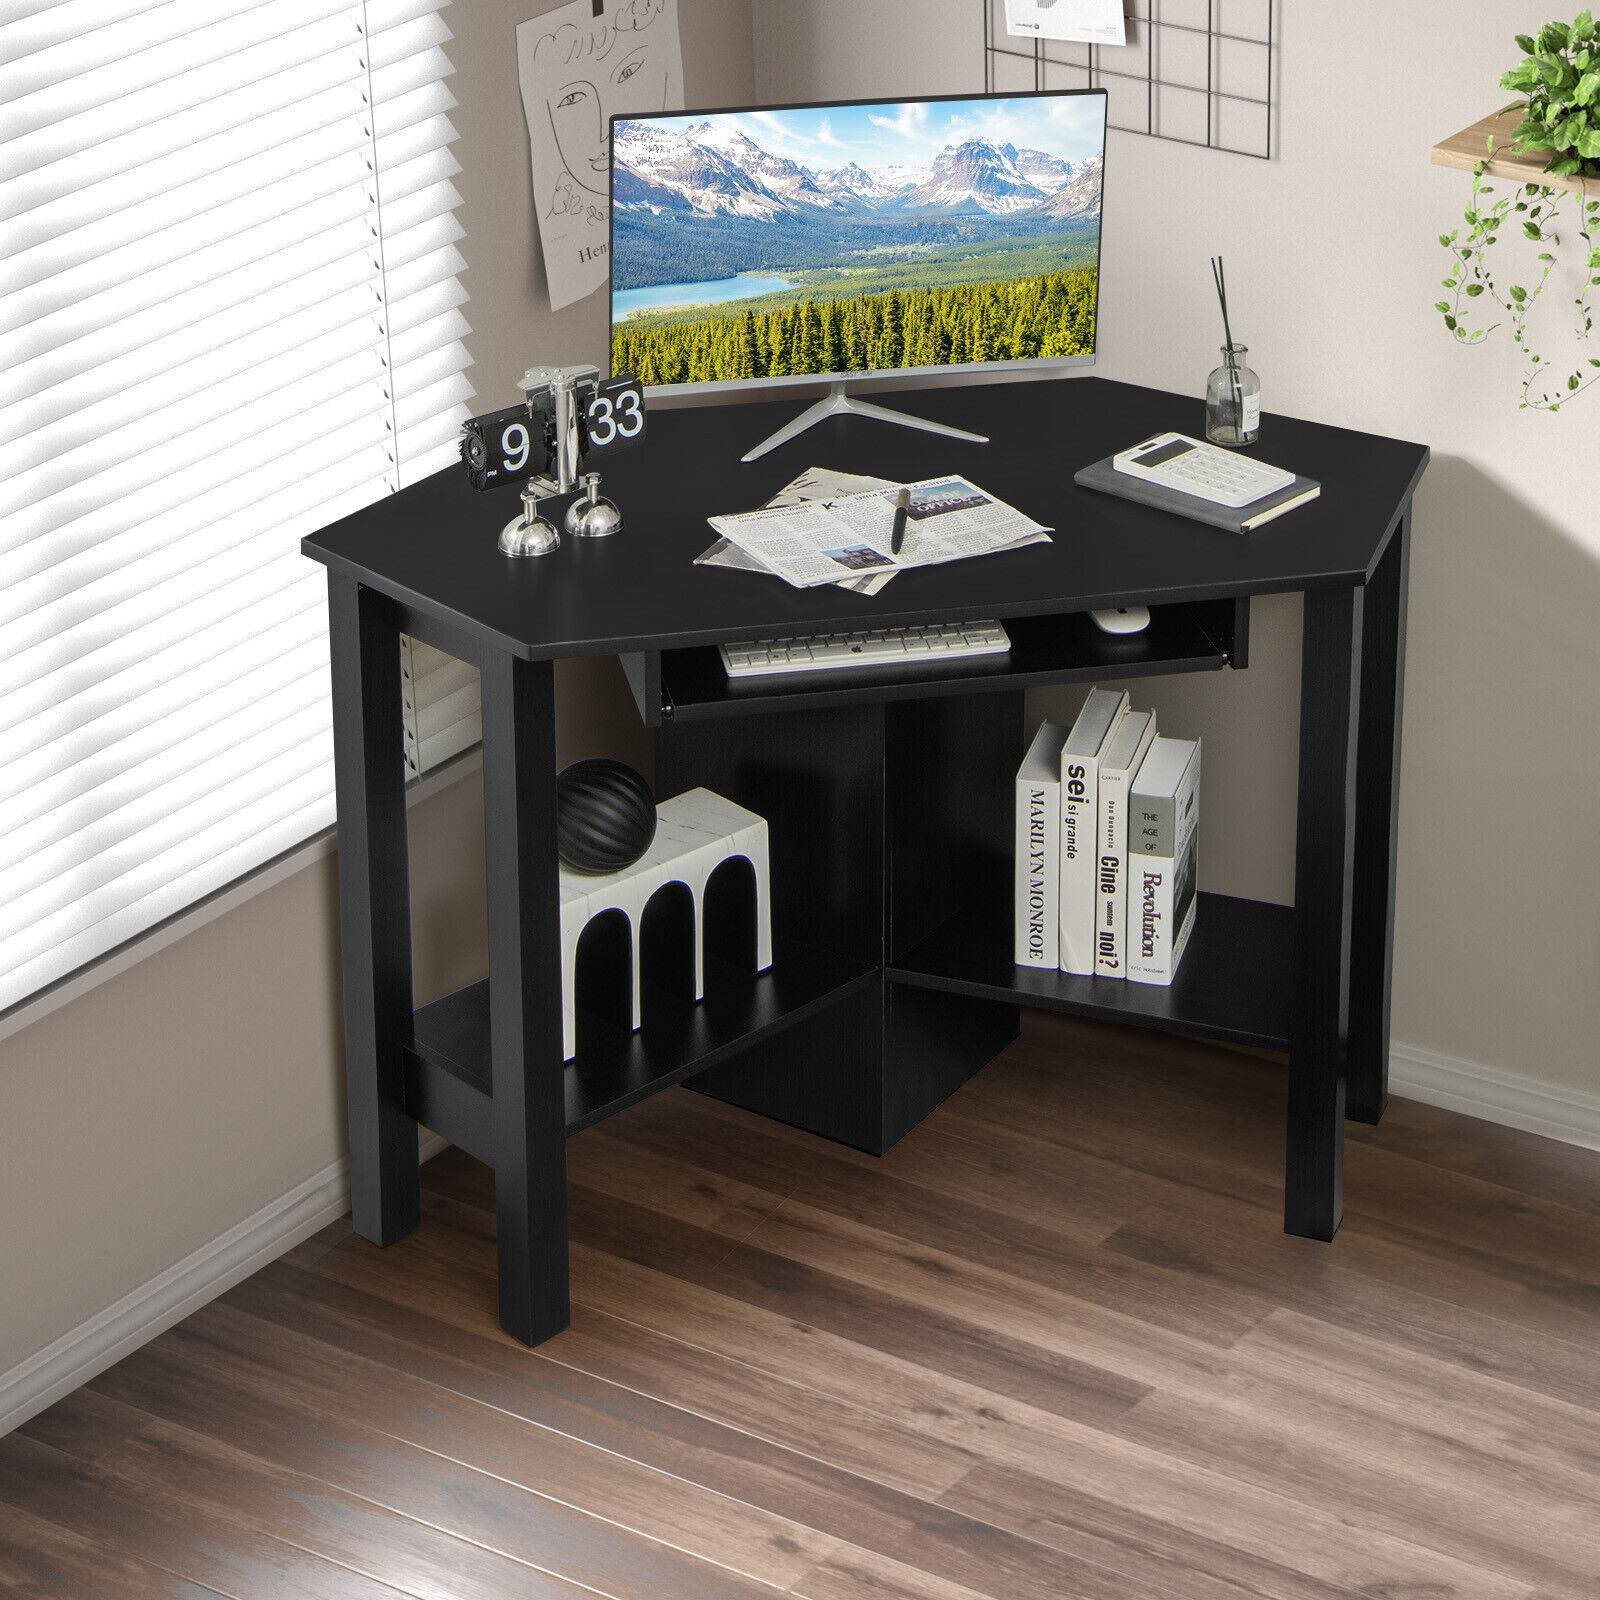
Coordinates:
column 139, row 1316
column 1512, row 1099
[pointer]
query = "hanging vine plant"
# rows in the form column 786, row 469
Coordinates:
column 1560, row 74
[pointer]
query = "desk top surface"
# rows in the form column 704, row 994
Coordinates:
column 432, row 546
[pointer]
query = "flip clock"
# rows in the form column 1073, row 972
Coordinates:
column 568, row 415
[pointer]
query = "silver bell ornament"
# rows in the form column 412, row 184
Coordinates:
column 592, row 515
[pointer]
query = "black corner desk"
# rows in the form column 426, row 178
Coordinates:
column 888, row 797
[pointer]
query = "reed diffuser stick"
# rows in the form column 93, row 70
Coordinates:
column 1219, row 277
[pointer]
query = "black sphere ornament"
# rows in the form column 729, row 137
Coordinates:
column 605, row 816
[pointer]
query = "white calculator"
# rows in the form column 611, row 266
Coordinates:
column 1205, row 470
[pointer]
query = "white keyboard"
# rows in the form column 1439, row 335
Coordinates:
column 871, row 647
column 1194, row 467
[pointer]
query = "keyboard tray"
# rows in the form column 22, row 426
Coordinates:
column 1205, row 636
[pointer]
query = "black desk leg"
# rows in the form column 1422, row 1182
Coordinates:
column 1383, row 665
column 530, row 1163
column 374, row 908
column 1324, row 851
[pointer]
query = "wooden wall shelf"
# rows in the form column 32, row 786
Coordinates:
column 1465, row 149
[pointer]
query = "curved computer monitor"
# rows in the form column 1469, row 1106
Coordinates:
column 788, row 244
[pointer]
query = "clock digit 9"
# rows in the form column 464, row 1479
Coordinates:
column 505, row 446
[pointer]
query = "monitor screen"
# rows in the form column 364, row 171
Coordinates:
column 807, row 241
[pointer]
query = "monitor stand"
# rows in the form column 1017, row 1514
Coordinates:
column 838, row 403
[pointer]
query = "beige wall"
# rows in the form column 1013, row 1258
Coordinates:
column 166, row 1105
column 1333, row 264
column 181, row 1096
column 509, row 308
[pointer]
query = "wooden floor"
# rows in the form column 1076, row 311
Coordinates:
column 1053, row 1346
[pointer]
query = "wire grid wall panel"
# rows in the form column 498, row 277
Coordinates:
column 1197, row 72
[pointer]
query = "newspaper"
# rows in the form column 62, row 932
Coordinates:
column 834, row 537
column 815, row 483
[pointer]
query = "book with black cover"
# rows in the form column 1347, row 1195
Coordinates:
column 1104, row 477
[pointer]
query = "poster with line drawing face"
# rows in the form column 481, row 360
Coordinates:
column 577, row 69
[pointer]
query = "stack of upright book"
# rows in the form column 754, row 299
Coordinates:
column 1107, row 837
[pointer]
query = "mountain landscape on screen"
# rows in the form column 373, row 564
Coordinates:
column 846, row 239
column 711, row 170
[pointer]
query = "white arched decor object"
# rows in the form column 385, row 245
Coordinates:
column 695, row 833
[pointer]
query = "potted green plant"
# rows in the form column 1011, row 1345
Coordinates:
column 1560, row 75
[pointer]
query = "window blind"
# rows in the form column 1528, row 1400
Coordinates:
column 230, row 312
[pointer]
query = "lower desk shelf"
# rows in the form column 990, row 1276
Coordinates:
column 447, row 1076
column 1234, row 983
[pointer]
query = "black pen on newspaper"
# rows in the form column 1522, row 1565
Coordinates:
column 902, row 503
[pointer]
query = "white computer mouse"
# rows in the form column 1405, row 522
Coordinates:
column 1121, row 619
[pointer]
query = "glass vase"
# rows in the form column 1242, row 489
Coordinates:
column 1233, row 400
